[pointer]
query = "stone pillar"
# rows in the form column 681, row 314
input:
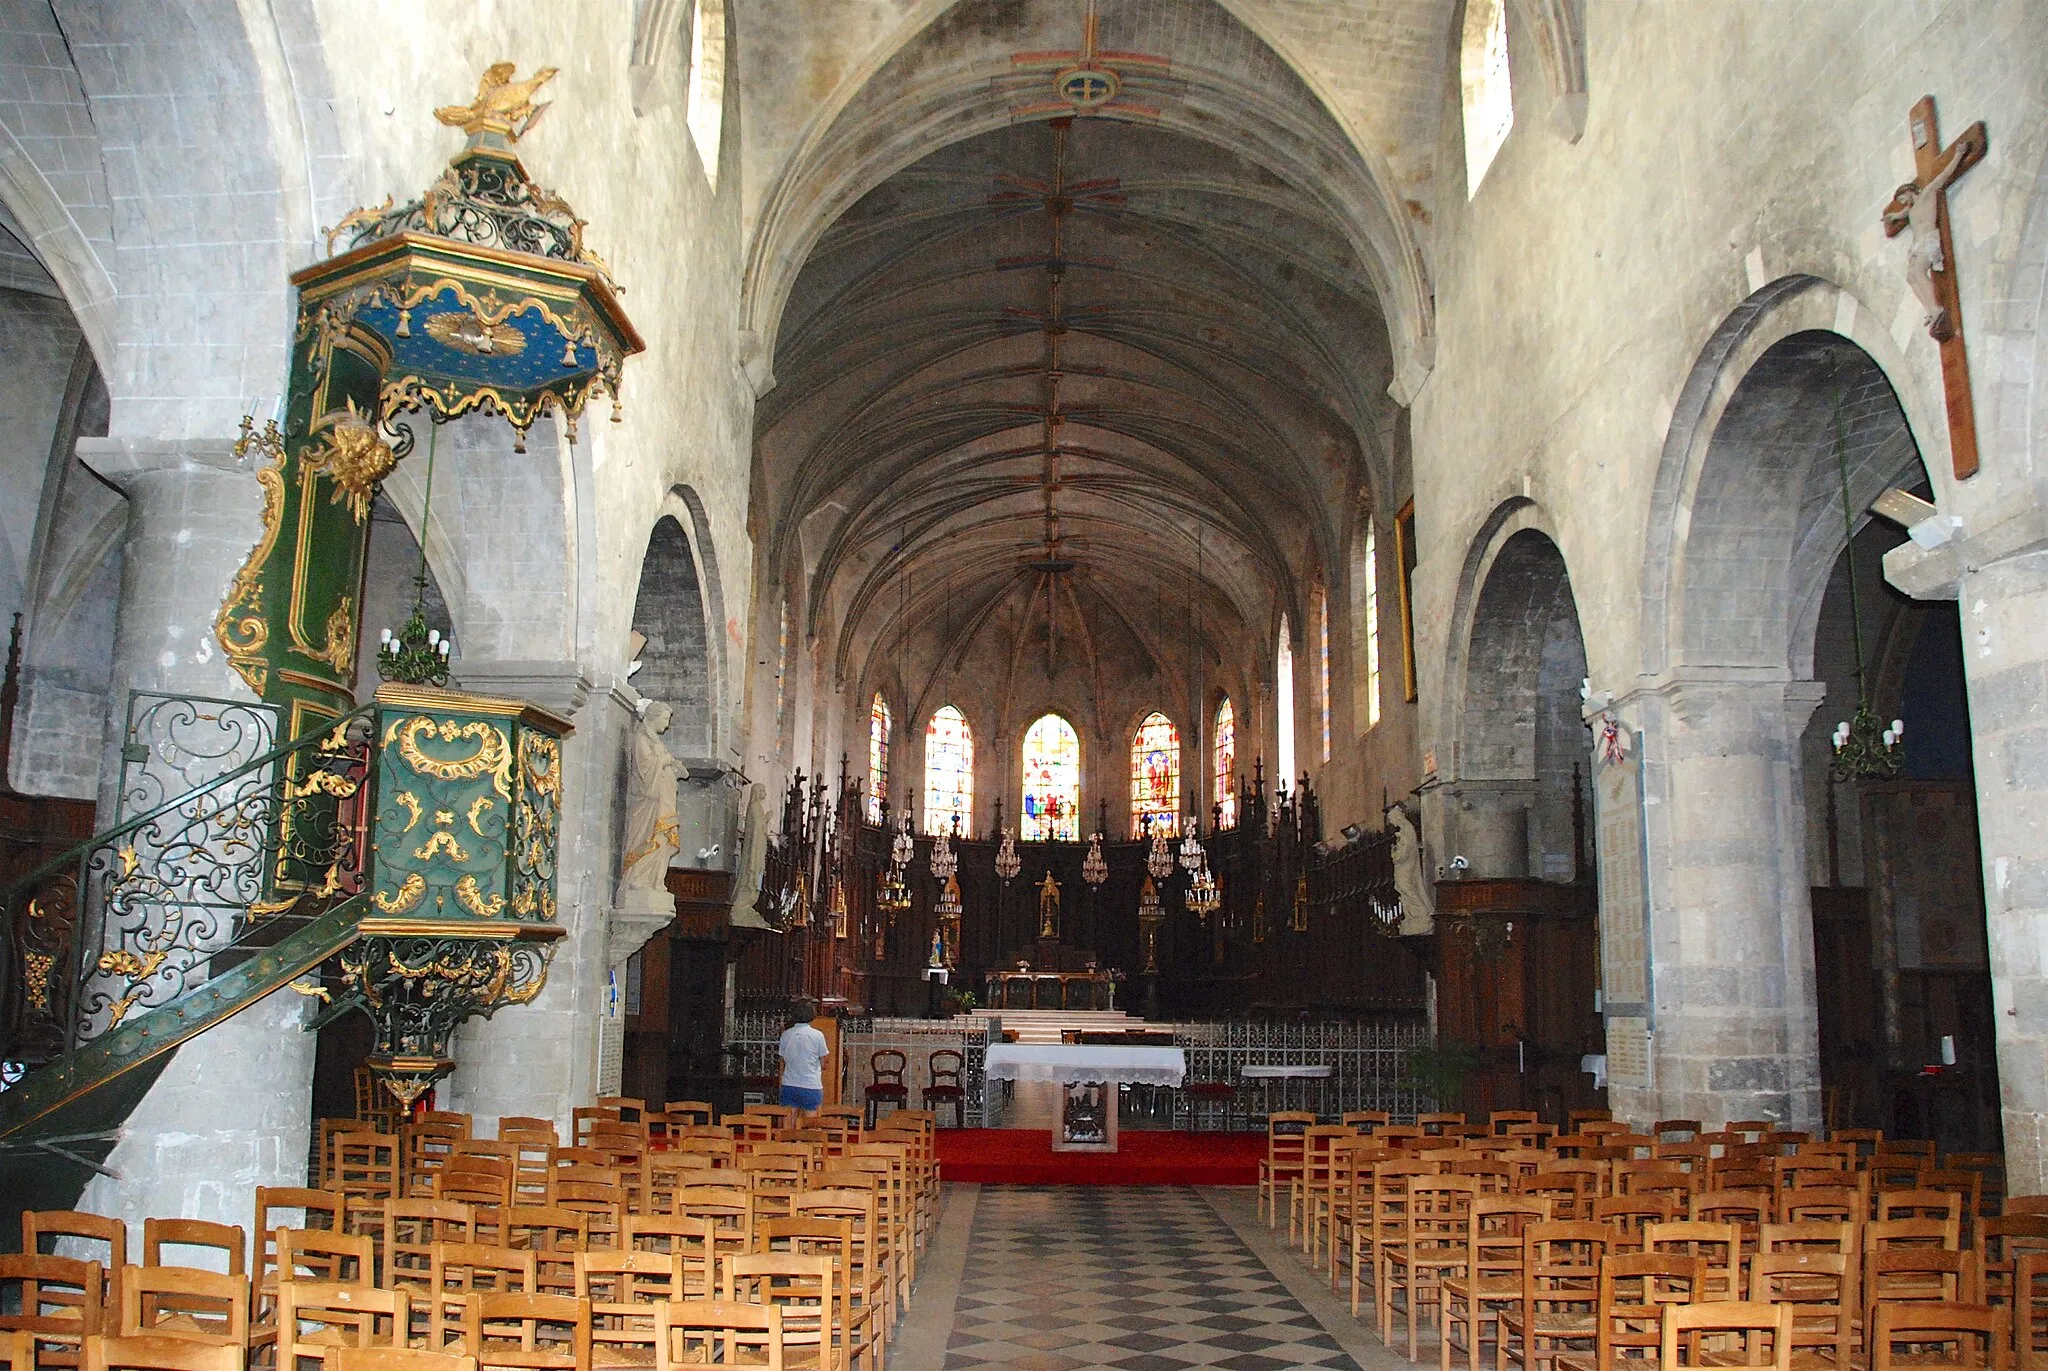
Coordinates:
column 233, row 1110
column 1732, row 1013
column 541, row 1060
column 2001, row 578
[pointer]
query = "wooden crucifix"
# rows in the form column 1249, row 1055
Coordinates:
column 1920, row 207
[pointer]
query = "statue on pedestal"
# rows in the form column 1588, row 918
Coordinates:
column 1411, row 879
column 652, row 836
column 1049, row 908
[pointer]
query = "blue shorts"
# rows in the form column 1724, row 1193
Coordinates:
column 806, row 1098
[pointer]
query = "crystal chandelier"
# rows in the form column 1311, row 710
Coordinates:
column 1159, row 861
column 1192, row 858
column 944, row 862
column 1008, row 863
column 1094, row 869
column 905, row 845
column 1204, row 896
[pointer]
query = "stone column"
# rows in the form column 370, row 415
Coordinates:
column 234, row 1108
column 540, row 1060
column 2001, row 579
column 1732, row 1010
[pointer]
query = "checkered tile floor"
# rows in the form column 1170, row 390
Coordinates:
column 1145, row 1279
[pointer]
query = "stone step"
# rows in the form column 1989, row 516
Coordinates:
column 1047, row 1025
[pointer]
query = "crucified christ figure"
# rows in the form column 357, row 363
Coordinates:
column 1918, row 209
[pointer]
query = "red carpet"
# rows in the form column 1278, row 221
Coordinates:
column 1022, row 1156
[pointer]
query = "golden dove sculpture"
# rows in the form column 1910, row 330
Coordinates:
column 502, row 105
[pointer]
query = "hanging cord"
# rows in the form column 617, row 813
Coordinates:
column 419, row 582
column 1849, row 541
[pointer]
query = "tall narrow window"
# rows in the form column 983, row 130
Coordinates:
column 1487, row 91
column 706, row 113
column 1283, row 705
column 1052, row 782
column 781, row 669
column 1365, row 623
column 1155, row 775
column 1225, row 769
column 878, row 756
column 948, row 772
column 1323, row 670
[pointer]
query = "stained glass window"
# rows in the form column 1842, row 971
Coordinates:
column 781, row 669
column 1155, row 775
column 1226, row 761
column 1283, row 705
column 1323, row 669
column 948, row 772
column 878, row 756
column 1052, row 782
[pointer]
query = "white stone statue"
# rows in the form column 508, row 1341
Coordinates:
column 653, row 836
column 1411, row 876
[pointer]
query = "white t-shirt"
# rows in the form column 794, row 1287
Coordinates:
column 803, row 1052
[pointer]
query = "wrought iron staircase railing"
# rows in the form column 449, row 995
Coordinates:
column 250, row 873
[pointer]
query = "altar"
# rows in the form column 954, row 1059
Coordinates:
column 1088, row 1078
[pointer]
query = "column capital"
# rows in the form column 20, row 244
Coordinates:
column 125, row 461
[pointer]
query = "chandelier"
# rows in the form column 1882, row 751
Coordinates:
column 905, row 845
column 1159, row 861
column 1094, row 869
column 944, row 861
column 1192, row 858
column 892, row 896
column 1205, row 897
column 1008, row 863
column 1865, row 749
column 415, row 654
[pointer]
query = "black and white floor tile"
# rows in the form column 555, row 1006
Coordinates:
column 1058, row 1278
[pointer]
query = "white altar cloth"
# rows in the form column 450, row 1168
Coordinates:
column 1070, row 1064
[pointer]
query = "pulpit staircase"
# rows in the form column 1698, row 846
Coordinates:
column 239, row 865
column 172, row 902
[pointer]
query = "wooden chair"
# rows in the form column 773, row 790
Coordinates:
column 801, row 1288
column 89, row 1237
column 1559, row 1310
column 56, row 1301
column 1980, row 1335
column 1999, row 1242
column 227, row 1245
column 1748, row 1209
column 423, row 1148
column 554, row 1237
column 366, row 1170
column 1844, row 1240
column 1906, row 1275
column 1836, row 1204
column 1818, row 1285
column 1432, row 1245
column 868, row 1282
column 411, row 1229
column 885, row 1082
column 321, row 1209
column 1316, row 1170
column 1283, row 1161
column 1629, row 1215
column 689, row 1111
column 316, row 1255
column 1727, row 1321
column 317, row 1319
column 2030, row 1310
column 1990, row 1170
column 526, row 1331
column 398, row 1359
column 461, row 1269
column 1691, row 1128
column 154, row 1353
column 1634, row 1289
column 697, row 1332
column 861, row 1335
column 1568, row 1193
column 948, row 1084
column 182, row 1302
column 1720, row 1244
column 1490, row 1279
column 625, row 1289
column 692, row 1241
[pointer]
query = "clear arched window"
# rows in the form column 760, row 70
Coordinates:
column 1283, row 705
column 1224, row 762
column 1487, row 90
column 1323, row 671
column 706, row 108
column 878, row 756
column 948, row 772
column 1052, row 782
column 1155, row 775
column 1365, row 623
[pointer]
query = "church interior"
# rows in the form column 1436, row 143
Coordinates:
column 1023, row 683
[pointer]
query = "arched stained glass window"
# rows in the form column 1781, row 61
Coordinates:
column 878, row 756
column 1052, row 782
column 1225, row 769
column 948, row 772
column 1155, row 775
column 1365, row 626
column 1283, row 705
